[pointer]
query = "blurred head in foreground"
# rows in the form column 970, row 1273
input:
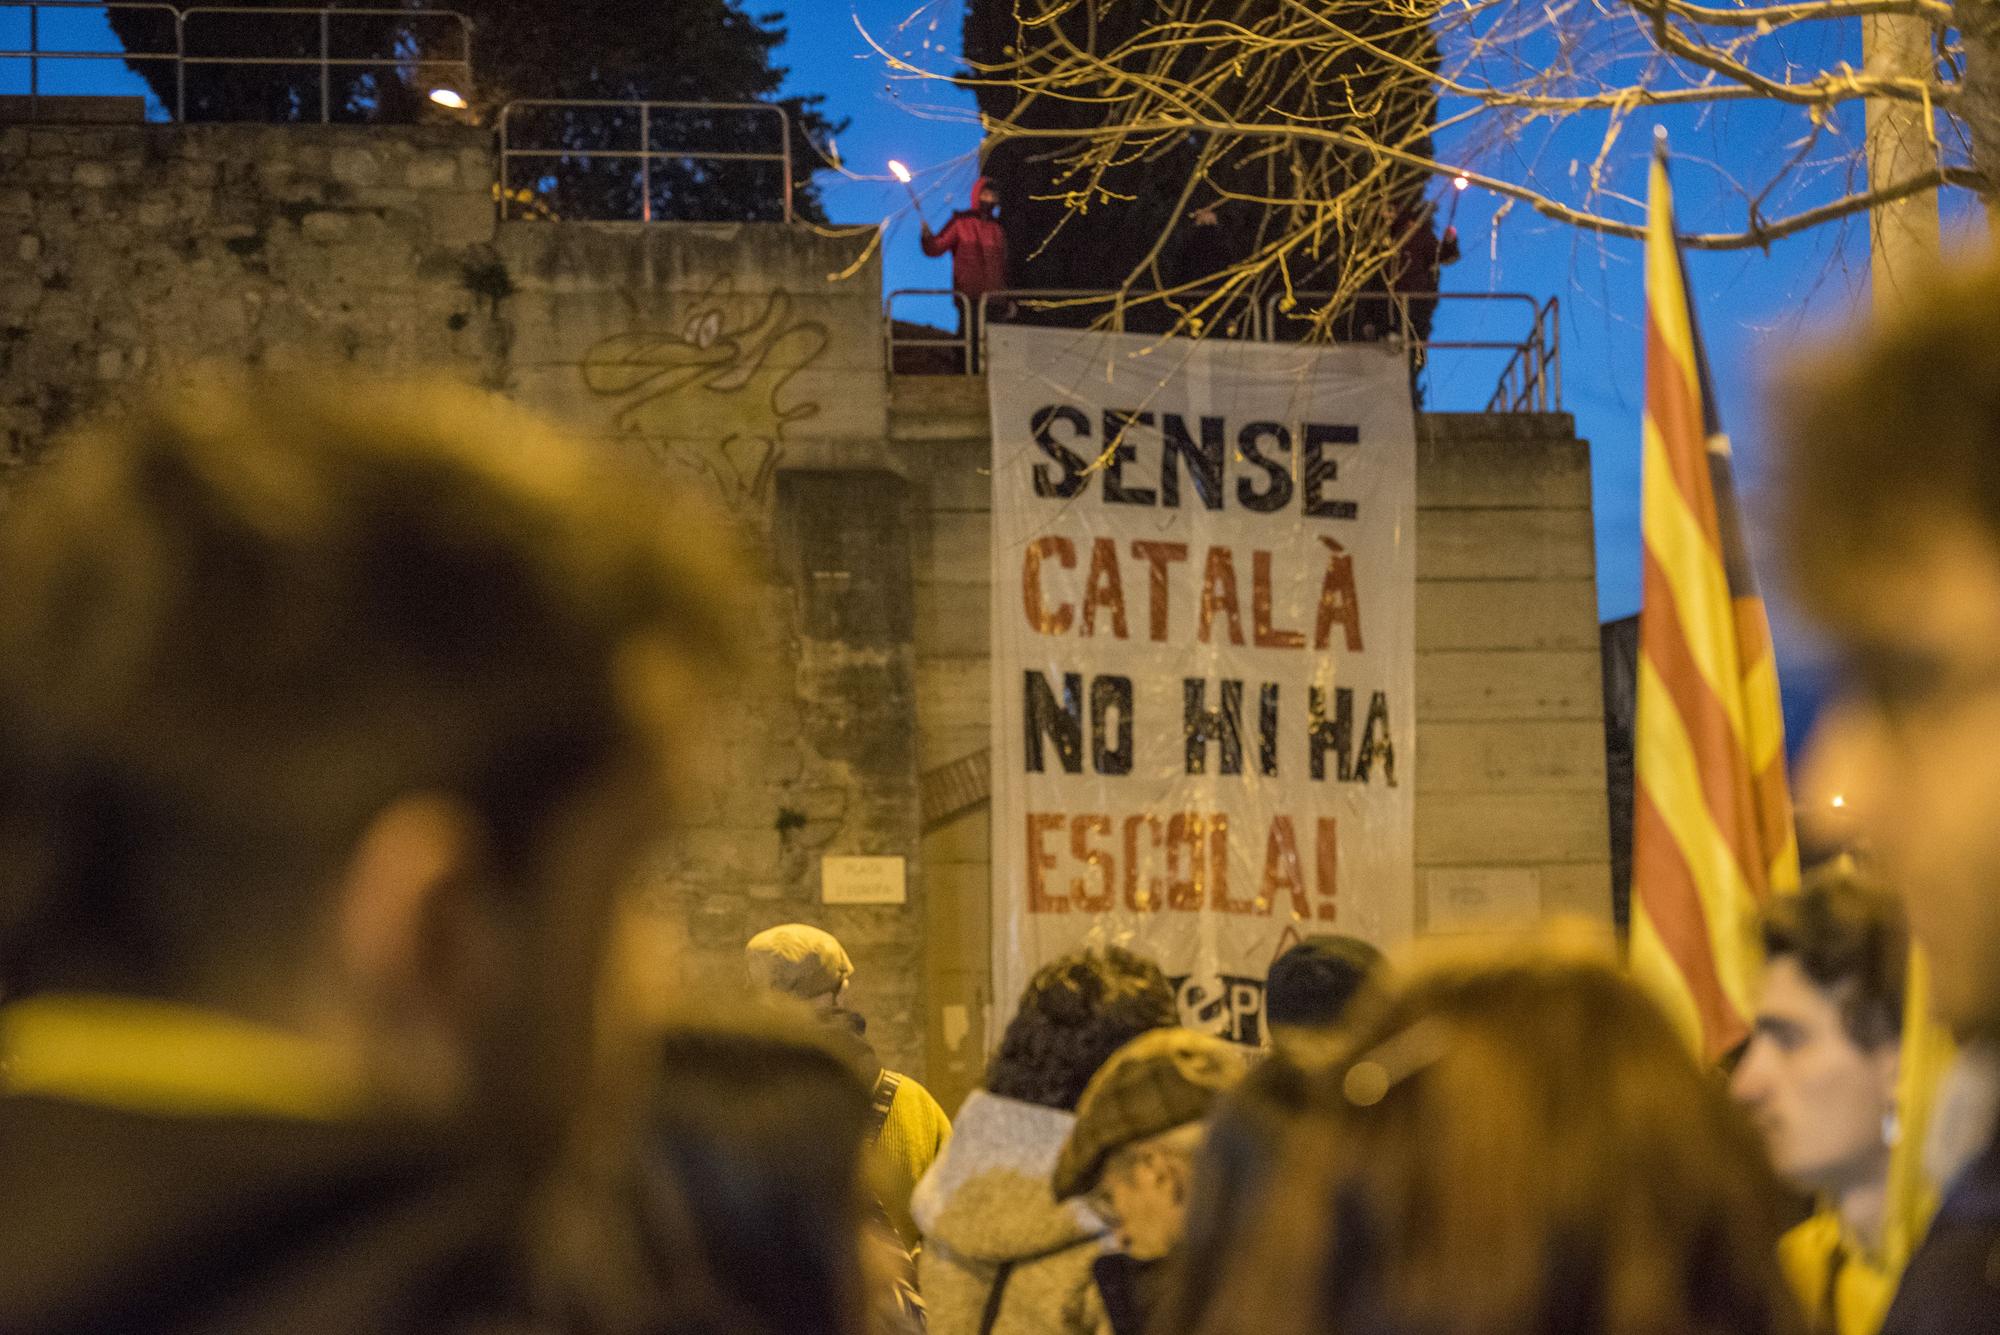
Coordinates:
column 1312, row 985
column 753, row 1195
column 1509, row 1149
column 1240, row 1157
column 1819, row 1073
column 1892, row 518
column 341, row 709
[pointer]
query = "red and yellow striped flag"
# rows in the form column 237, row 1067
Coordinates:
column 1712, row 833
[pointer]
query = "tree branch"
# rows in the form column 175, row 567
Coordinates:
column 1759, row 236
column 1752, row 16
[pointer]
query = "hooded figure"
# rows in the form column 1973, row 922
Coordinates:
column 978, row 247
column 1001, row 1255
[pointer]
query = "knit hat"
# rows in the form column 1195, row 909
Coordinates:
column 1158, row 1081
column 799, row 960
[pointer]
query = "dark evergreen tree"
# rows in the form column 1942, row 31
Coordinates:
column 703, row 51
column 1151, row 209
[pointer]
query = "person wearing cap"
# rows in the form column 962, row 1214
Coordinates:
column 803, row 962
column 1131, row 1154
column 1310, row 987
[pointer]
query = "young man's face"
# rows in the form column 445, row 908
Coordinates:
column 989, row 198
column 1915, row 750
column 1817, row 1096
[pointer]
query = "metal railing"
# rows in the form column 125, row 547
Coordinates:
column 1237, row 319
column 421, row 71
column 1532, row 380
column 1529, row 381
column 962, row 353
column 640, row 151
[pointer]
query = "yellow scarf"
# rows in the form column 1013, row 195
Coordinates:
column 169, row 1059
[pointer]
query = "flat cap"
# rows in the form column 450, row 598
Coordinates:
column 799, row 960
column 1160, row 1080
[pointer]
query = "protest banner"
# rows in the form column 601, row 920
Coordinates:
column 1203, row 654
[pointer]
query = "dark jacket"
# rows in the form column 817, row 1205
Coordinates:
column 141, row 1224
column 1132, row 1291
column 1952, row 1284
column 978, row 248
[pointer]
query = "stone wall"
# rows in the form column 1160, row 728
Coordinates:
column 728, row 356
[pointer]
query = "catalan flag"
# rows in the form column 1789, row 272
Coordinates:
column 1712, row 834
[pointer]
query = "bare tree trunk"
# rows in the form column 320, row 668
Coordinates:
column 1979, row 96
column 1903, row 235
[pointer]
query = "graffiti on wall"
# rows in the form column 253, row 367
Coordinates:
column 723, row 376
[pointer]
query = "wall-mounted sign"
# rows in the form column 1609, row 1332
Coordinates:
column 1482, row 899
column 861, row 881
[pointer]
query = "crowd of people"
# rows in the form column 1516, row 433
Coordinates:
column 333, row 720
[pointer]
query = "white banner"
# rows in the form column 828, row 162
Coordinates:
column 1204, row 702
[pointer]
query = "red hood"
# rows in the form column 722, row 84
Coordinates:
column 978, row 186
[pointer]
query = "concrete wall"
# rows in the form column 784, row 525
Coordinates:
column 1510, row 819
column 725, row 355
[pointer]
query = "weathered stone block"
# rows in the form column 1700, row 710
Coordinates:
column 477, row 167
column 353, row 166
column 93, row 175
column 460, row 219
column 325, row 227
column 431, row 171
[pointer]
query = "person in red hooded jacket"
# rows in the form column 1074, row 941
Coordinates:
column 978, row 252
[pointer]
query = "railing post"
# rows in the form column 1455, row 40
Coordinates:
column 34, row 62
column 645, row 162
column 180, row 68
column 785, row 147
column 1555, row 350
column 325, row 66
column 500, row 198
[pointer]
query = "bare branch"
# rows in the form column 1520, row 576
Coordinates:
column 1827, row 87
column 1773, row 16
column 1759, row 235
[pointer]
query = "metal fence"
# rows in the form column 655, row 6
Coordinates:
column 562, row 142
column 1530, row 379
column 429, row 48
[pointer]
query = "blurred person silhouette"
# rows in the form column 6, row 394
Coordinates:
column 809, row 964
column 1899, row 558
column 1001, row 1255
column 1131, row 1153
column 1516, row 1147
column 756, row 1208
column 1310, row 987
column 1819, row 1077
column 1236, row 1165
column 332, row 714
